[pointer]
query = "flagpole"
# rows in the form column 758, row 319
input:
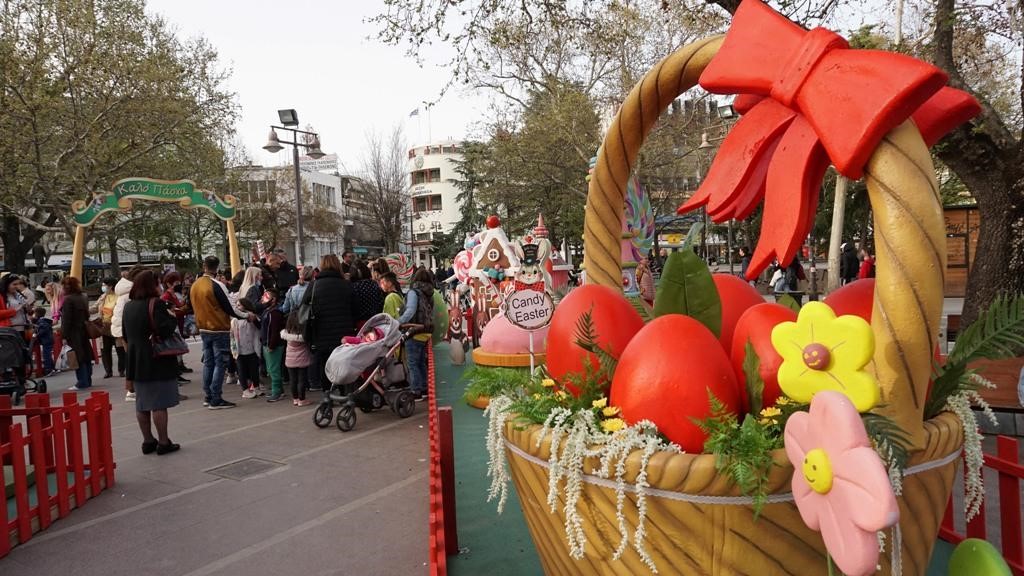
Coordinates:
column 430, row 137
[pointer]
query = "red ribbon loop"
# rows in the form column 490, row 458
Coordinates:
column 813, row 47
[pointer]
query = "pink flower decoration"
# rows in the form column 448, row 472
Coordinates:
column 839, row 482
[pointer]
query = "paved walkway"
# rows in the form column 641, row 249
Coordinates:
column 333, row 503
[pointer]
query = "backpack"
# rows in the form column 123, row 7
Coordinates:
column 424, row 312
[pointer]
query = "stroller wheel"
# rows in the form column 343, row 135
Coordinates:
column 323, row 415
column 41, row 387
column 16, row 397
column 405, row 404
column 346, row 418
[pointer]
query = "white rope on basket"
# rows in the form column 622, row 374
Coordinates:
column 717, row 500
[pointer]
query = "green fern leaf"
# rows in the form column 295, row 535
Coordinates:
column 752, row 372
column 998, row 333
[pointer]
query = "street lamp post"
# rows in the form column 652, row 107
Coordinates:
column 290, row 118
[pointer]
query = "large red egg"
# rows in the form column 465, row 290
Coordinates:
column 855, row 298
column 737, row 296
column 755, row 326
column 615, row 322
column 664, row 376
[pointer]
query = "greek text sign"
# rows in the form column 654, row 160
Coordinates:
column 529, row 309
column 124, row 191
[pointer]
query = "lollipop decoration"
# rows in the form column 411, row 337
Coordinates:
column 462, row 264
column 639, row 221
column 401, row 265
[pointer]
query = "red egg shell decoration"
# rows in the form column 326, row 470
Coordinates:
column 855, row 298
column 737, row 297
column 615, row 321
column 755, row 326
column 664, row 376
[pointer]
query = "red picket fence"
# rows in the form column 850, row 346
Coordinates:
column 442, row 533
column 1006, row 463
column 70, row 444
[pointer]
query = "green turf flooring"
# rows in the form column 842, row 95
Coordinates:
column 501, row 544
column 490, row 543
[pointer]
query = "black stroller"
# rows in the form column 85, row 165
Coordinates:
column 367, row 376
column 14, row 359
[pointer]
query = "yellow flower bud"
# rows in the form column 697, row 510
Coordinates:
column 600, row 403
column 610, row 411
column 613, row 424
column 548, row 383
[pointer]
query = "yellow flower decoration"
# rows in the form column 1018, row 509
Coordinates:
column 561, row 395
column 782, row 401
column 822, row 352
column 771, row 412
column 548, row 383
column 536, row 396
column 610, row 411
column 600, row 403
column 613, row 424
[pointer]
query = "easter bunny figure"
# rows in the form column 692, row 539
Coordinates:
column 533, row 273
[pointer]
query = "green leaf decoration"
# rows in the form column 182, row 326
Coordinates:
column 752, row 372
column 789, row 302
column 975, row 557
column 586, row 338
column 490, row 382
column 642, row 308
column 997, row 333
column 686, row 287
column 890, row 441
column 692, row 235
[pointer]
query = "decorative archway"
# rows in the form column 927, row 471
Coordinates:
column 120, row 197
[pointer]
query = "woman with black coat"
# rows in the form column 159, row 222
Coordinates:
column 74, row 314
column 155, row 377
column 332, row 314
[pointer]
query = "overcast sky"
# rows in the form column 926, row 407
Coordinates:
column 317, row 58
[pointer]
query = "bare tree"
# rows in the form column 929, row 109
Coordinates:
column 386, row 189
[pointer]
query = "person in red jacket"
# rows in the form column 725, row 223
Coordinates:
column 867, row 266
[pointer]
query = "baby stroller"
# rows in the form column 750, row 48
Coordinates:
column 367, row 375
column 14, row 359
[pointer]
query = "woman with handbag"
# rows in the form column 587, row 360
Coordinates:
column 151, row 332
column 74, row 320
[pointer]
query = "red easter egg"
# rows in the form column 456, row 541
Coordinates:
column 615, row 322
column 493, row 221
column 737, row 296
column 855, row 298
column 755, row 326
column 664, row 376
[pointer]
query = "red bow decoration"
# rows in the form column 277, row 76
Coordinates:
column 536, row 286
column 808, row 101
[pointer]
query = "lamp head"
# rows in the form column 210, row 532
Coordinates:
column 273, row 145
column 704, row 144
column 726, row 112
column 288, row 117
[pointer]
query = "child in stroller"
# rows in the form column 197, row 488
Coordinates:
column 367, row 374
column 15, row 362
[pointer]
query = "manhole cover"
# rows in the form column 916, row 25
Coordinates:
column 245, row 468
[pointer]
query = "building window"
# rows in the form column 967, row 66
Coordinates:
column 426, row 203
column 426, row 176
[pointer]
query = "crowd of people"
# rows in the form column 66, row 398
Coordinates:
column 270, row 323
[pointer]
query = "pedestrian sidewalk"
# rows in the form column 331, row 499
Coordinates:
column 288, row 498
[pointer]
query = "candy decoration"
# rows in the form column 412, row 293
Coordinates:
column 462, row 264
column 401, row 265
column 493, row 221
column 639, row 219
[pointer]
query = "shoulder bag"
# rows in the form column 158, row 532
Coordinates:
column 306, row 314
column 173, row 345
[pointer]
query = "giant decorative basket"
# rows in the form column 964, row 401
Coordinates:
column 697, row 521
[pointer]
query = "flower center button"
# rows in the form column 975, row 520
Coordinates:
column 817, row 356
column 818, row 471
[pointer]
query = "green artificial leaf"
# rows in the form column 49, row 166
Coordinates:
column 641, row 307
column 752, row 372
column 686, row 287
column 789, row 302
column 692, row 235
column 490, row 382
column 891, row 442
column 997, row 333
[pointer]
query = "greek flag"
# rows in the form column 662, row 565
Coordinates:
column 415, row 112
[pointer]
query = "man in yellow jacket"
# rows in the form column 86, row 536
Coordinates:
column 213, row 311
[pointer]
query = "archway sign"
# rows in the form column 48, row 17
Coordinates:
column 120, row 197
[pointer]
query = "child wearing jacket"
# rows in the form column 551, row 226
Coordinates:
column 246, row 348
column 296, row 359
column 271, row 324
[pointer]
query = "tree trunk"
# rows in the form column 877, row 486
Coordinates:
column 18, row 245
column 998, row 265
column 115, row 258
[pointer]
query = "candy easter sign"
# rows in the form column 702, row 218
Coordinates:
column 529, row 309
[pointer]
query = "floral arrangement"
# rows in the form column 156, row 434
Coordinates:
column 800, row 382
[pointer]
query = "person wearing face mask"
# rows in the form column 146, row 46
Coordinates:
column 176, row 303
column 106, row 305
